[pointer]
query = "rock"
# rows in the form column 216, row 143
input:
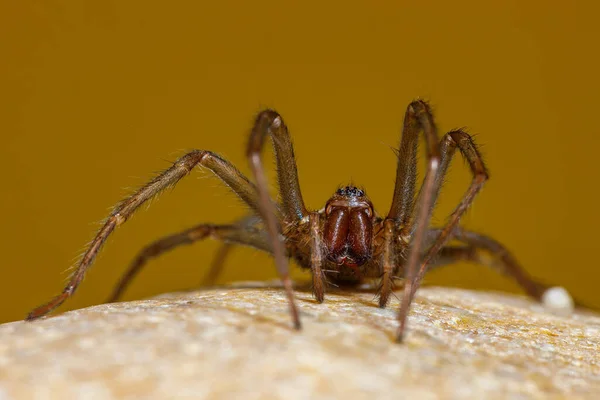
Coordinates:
column 238, row 342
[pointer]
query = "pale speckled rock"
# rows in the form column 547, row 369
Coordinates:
column 237, row 343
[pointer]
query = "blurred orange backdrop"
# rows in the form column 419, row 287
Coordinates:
column 95, row 96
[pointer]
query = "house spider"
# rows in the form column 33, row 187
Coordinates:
column 344, row 242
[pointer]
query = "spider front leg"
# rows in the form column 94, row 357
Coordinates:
column 418, row 118
column 182, row 167
column 270, row 123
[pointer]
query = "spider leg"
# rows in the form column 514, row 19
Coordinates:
column 316, row 257
column 290, row 194
column 217, row 264
column 223, row 252
column 393, row 245
column 418, row 118
column 182, row 167
column 228, row 233
column 452, row 254
column 497, row 257
column 389, row 264
column 292, row 204
column 270, row 123
column 447, row 149
column 452, row 140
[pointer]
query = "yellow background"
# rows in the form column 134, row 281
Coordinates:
column 95, row 96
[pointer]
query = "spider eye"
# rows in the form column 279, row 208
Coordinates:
column 369, row 212
column 328, row 209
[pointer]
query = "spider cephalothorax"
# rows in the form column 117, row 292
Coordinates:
column 348, row 227
column 344, row 241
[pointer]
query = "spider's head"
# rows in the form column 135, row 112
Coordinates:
column 348, row 228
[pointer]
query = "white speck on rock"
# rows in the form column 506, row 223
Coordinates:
column 558, row 301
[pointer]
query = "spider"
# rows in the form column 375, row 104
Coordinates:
column 346, row 241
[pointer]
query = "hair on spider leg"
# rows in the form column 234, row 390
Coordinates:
column 345, row 241
column 327, row 282
column 331, row 271
column 477, row 146
column 377, row 295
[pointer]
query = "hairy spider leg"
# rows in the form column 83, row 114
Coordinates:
column 450, row 142
column 269, row 122
column 123, row 210
column 242, row 232
column 256, row 196
column 498, row 258
column 418, row 118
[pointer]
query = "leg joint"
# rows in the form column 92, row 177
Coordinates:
column 459, row 136
column 419, row 106
column 270, row 118
column 193, row 158
column 461, row 139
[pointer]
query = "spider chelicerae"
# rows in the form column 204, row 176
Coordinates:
column 344, row 242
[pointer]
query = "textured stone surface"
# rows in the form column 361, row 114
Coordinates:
column 238, row 342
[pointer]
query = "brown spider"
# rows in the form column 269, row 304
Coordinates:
column 344, row 242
